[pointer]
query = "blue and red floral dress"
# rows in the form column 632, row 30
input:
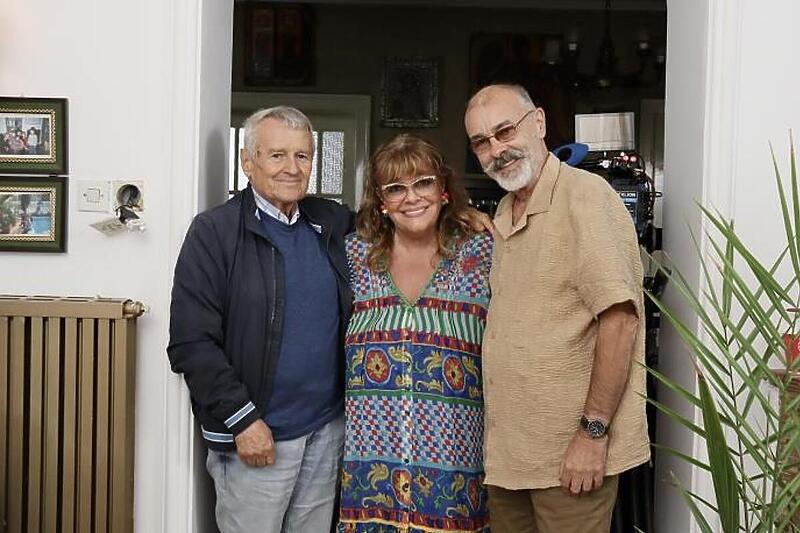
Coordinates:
column 413, row 456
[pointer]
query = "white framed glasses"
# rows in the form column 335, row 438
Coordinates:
column 396, row 192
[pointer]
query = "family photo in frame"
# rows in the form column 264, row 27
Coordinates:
column 32, row 214
column 33, row 135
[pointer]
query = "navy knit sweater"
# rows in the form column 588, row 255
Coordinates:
column 306, row 393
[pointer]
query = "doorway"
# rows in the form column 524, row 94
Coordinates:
column 358, row 70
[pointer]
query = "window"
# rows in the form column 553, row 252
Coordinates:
column 328, row 155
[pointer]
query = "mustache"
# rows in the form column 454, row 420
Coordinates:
column 509, row 155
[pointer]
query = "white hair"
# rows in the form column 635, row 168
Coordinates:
column 290, row 116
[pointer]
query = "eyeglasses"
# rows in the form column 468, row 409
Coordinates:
column 503, row 134
column 396, row 192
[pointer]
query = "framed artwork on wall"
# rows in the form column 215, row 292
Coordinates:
column 410, row 93
column 279, row 42
column 33, row 135
column 33, row 214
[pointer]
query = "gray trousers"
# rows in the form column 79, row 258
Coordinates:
column 294, row 495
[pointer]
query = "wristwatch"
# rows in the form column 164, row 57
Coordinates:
column 595, row 428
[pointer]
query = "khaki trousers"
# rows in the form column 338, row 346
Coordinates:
column 552, row 510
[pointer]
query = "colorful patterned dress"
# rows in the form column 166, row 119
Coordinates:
column 413, row 457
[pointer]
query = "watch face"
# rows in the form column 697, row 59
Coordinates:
column 595, row 428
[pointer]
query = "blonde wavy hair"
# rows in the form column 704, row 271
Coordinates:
column 396, row 160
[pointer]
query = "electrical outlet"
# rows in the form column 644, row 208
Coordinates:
column 93, row 195
column 130, row 191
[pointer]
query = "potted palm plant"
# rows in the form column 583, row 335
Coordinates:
column 744, row 311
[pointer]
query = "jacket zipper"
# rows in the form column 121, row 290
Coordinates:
column 274, row 291
column 269, row 331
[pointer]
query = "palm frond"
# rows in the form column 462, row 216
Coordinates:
column 734, row 334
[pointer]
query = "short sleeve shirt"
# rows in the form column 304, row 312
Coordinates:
column 572, row 255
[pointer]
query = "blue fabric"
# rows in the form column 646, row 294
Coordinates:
column 295, row 494
column 307, row 392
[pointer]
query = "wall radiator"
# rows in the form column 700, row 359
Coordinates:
column 66, row 414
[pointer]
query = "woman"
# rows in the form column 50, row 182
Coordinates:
column 414, row 406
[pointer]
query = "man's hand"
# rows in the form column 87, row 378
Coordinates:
column 255, row 445
column 477, row 220
column 584, row 464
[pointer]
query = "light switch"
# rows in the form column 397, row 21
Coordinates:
column 93, row 196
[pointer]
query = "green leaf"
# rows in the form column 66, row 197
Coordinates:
column 773, row 289
column 726, row 484
column 795, row 200
column 727, row 295
column 787, row 221
column 677, row 417
column 690, row 502
column 677, row 453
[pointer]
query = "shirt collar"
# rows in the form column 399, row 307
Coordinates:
column 265, row 206
column 539, row 202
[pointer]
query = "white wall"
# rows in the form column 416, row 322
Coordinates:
column 731, row 88
column 146, row 101
column 683, row 180
column 767, row 107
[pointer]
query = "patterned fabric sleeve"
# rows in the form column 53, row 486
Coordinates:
column 355, row 249
column 481, row 246
column 474, row 260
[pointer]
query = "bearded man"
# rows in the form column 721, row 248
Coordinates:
column 564, row 410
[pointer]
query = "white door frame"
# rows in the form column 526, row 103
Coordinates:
column 201, row 48
column 702, row 44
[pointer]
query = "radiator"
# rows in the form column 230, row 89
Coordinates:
column 66, row 414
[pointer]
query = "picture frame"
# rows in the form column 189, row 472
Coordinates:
column 33, row 214
column 33, row 135
column 410, row 93
column 279, row 42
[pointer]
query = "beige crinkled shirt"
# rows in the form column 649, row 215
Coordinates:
column 573, row 255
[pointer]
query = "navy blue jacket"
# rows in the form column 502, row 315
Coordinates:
column 228, row 306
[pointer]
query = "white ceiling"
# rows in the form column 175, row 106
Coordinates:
column 616, row 5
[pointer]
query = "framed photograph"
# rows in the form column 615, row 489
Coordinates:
column 33, row 214
column 33, row 135
column 410, row 93
column 280, row 44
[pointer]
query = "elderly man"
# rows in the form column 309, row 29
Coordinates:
column 260, row 304
column 564, row 339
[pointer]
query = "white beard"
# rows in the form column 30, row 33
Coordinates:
column 515, row 179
